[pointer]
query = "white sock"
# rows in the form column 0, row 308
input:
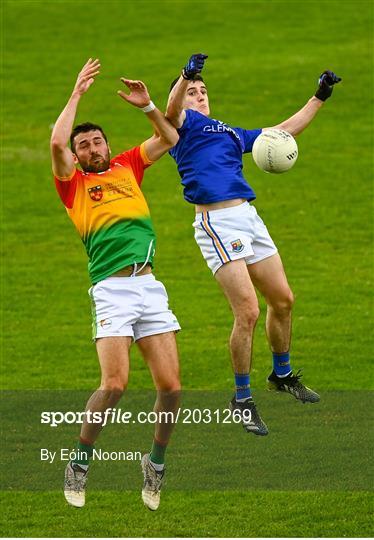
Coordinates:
column 158, row 467
column 83, row 467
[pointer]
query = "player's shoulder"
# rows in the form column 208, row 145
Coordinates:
column 75, row 174
column 134, row 158
column 126, row 155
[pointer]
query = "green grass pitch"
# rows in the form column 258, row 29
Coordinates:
column 264, row 61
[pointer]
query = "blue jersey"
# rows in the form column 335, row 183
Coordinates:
column 209, row 159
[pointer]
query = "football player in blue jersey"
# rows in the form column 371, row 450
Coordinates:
column 232, row 237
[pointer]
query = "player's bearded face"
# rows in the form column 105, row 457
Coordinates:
column 92, row 152
column 96, row 162
column 197, row 98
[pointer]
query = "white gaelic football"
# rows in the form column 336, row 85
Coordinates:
column 275, row 151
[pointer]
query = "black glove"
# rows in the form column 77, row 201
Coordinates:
column 326, row 83
column 194, row 65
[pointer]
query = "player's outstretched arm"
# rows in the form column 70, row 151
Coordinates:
column 62, row 157
column 165, row 136
column 174, row 110
column 300, row 120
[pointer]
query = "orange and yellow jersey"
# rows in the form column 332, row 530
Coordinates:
column 111, row 214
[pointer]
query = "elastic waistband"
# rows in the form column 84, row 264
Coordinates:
column 223, row 211
column 130, row 279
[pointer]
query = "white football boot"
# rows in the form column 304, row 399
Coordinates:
column 75, row 484
column 152, row 484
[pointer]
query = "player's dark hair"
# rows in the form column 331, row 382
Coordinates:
column 84, row 128
column 196, row 77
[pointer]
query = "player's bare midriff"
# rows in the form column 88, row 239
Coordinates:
column 218, row 205
column 127, row 271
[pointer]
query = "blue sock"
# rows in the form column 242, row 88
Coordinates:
column 243, row 389
column 281, row 364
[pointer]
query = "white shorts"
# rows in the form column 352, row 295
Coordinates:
column 232, row 233
column 131, row 306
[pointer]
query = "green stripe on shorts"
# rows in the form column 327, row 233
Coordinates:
column 93, row 313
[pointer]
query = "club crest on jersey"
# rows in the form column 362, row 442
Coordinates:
column 237, row 246
column 95, row 193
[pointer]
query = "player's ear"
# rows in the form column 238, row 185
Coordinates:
column 110, row 151
column 75, row 158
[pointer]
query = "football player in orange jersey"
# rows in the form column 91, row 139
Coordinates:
column 105, row 203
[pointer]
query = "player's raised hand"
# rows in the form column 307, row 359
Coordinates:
column 87, row 76
column 139, row 96
column 326, row 82
column 194, row 65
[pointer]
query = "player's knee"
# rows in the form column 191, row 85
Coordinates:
column 247, row 317
column 114, row 385
column 284, row 303
column 170, row 386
